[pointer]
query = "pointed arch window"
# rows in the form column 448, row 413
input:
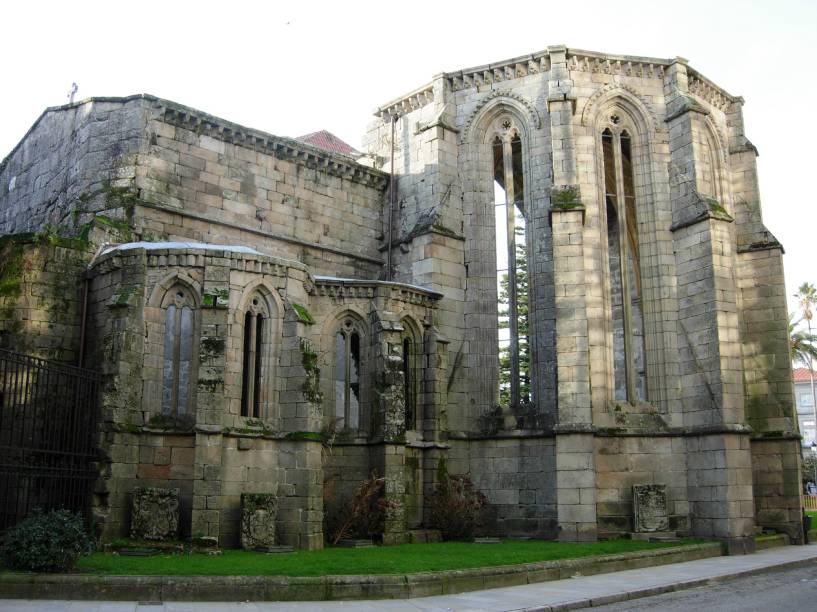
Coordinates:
column 511, row 265
column 178, row 352
column 412, row 374
column 348, row 374
column 629, row 368
column 256, row 352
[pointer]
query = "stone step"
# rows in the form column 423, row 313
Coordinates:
column 424, row 536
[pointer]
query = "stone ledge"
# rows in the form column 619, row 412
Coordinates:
column 283, row 588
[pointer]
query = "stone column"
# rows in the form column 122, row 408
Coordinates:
column 434, row 402
column 575, row 476
column 770, row 405
column 390, row 410
column 719, row 461
column 210, row 400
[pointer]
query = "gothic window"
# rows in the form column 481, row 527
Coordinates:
column 412, row 373
column 255, row 354
column 347, row 374
column 511, row 266
column 629, row 369
column 178, row 351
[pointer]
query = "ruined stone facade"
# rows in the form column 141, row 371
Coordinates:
column 567, row 290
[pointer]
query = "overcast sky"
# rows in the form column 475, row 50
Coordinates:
column 293, row 68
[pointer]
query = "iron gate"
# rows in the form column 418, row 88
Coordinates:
column 48, row 417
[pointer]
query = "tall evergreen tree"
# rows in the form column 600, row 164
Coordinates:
column 523, row 325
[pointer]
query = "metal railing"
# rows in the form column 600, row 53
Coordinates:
column 48, row 418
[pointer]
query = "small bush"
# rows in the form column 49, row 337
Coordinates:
column 361, row 516
column 46, row 542
column 458, row 508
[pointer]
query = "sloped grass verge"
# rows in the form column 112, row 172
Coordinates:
column 381, row 560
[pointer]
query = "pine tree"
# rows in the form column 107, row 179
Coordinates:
column 523, row 325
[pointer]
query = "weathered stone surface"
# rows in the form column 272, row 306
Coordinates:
column 650, row 505
column 155, row 513
column 258, row 514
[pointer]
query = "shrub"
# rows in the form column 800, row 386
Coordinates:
column 457, row 508
column 361, row 516
column 46, row 542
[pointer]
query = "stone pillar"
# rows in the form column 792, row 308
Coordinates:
column 434, row 402
column 211, row 401
column 719, row 460
column 575, row 476
column 770, row 405
column 390, row 409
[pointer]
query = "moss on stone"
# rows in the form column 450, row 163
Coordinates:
column 211, row 346
column 311, row 386
column 303, row 314
column 312, row 436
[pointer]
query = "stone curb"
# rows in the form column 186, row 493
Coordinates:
column 322, row 588
column 669, row 588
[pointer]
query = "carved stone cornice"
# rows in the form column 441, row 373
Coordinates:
column 280, row 147
column 335, row 287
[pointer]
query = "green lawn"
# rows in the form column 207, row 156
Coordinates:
column 406, row 558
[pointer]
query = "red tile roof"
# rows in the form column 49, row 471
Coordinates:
column 801, row 375
column 328, row 142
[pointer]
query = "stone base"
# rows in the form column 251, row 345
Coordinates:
column 487, row 541
column 655, row 536
column 274, row 550
column 739, row 545
column 424, row 536
column 354, row 543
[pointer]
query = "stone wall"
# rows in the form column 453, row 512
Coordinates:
column 624, row 461
column 516, row 475
column 41, row 289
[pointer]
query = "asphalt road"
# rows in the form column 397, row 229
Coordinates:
column 794, row 590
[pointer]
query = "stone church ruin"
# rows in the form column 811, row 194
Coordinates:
column 550, row 273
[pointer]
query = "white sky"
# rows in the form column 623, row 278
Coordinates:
column 293, row 68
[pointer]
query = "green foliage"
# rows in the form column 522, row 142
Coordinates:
column 46, row 542
column 311, row 387
column 523, row 325
column 458, row 507
column 565, row 198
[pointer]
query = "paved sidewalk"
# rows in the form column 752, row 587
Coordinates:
column 567, row 594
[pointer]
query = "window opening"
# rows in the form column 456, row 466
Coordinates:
column 347, row 376
column 512, row 269
column 629, row 370
column 177, row 361
column 252, row 374
column 408, row 384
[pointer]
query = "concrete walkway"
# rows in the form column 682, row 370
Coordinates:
column 570, row 594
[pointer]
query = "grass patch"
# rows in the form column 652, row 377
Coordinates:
column 407, row 558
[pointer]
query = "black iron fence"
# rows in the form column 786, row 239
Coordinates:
column 48, row 417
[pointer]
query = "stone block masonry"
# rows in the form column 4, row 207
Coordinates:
column 253, row 341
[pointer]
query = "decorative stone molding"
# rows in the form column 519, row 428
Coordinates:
column 330, row 286
column 621, row 65
column 258, row 514
column 488, row 74
column 612, row 90
column 406, row 104
column 495, row 98
column 155, row 514
column 709, row 92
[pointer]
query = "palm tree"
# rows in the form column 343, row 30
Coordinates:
column 803, row 344
column 807, row 297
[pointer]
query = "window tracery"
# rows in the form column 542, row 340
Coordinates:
column 255, row 355
column 347, row 376
column 179, row 341
column 511, row 263
column 629, row 367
